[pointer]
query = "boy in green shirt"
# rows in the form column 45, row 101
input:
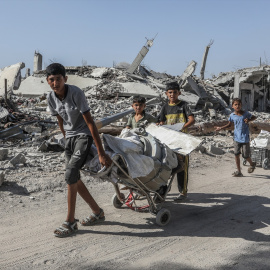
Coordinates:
column 177, row 111
column 139, row 116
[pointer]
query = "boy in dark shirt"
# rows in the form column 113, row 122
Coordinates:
column 177, row 111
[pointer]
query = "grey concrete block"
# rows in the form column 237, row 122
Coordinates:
column 215, row 150
column 20, row 158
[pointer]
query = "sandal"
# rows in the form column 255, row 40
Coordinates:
column 237, row 174
column 66, row 229
column 252, row 168
column 93, row 219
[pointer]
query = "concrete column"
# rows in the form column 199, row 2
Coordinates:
column 138, row 59
column 27, row 72
column 236, row 93
column 37, row 62
column 252, row 98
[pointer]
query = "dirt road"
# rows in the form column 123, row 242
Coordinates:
column 223, row 225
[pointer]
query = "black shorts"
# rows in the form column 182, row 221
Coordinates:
column 76, row 152
column 245, row 149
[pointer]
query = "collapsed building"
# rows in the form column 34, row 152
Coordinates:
column 210, row 99
column 23, row 106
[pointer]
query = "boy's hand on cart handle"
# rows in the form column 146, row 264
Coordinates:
column 105, row 160
column 218, row 128
column 246, row 120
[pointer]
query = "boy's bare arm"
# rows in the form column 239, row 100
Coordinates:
column 251, row 119
column 226, row 126
column 190, row 122
column 104, row 159
column 61, row 125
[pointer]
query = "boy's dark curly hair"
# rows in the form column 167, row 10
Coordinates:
column 138, row 99
column 55, row 69
column 172, row 86
column 236, row 99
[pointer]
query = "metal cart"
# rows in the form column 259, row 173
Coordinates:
column 261, row 156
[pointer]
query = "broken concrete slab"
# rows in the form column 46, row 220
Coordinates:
column 34, row 86
column 99, row 72
column 82, row 82
column 13, row 75
column 190, row 98
column 224, row 78
column 188, row 71
column 226, row 107
column 196, row 88
column 135, row 88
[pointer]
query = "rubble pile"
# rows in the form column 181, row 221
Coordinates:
column 28, row 133
column 110, row 89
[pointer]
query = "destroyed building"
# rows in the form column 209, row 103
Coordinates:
column 109, row 92
column 25, row 120
column 252, row 86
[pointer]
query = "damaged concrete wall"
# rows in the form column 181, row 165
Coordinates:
column 13, row 75
column 252, row 86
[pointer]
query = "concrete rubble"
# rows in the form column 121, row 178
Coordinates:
column 10, row 78
column 34, row 141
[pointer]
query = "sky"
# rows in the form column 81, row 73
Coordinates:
column 103, row 32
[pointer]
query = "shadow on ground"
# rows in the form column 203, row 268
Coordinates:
column 14, row 188
column 205, row 215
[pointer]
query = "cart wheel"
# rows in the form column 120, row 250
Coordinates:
column 265, row 163
column 163, row 217
column 244, row 162
column 116, row 202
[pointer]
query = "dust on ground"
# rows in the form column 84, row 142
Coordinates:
column 224, row 224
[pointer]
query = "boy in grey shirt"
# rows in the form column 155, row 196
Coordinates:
column 69, row 105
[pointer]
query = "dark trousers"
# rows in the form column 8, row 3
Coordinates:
column 182, row 177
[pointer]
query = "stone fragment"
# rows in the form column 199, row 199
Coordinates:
column 20, row 158
column 3, row 153
column 33, row 129
column 215, row 150
column 201, row 148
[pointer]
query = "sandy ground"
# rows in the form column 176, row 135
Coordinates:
column 223, row 225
